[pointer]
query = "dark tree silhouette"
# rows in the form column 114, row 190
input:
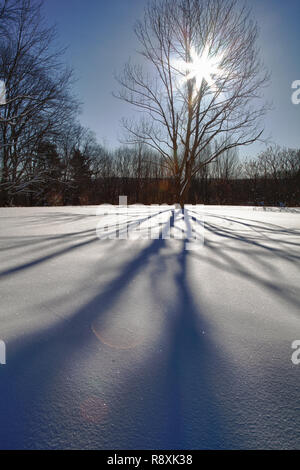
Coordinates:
column 199, row 96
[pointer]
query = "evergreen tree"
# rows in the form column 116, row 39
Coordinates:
column 81, row 177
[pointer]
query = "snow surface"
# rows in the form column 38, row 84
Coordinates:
column 142, row 344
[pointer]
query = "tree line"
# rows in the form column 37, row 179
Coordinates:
column 80, row 171
column 48, row 158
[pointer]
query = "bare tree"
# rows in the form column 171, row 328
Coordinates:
column 8, row 12
column 38, row 99
column 200, row 95
column 227, row 166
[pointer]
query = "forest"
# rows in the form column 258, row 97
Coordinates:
column 48, row 158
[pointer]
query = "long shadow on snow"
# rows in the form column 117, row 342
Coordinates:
column 85, row 238
column 179, row 407
column 178, row 392
column 35, row 360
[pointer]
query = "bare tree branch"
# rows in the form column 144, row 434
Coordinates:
column 181, row 120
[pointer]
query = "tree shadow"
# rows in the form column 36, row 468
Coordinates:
column 177, row 391
column 263, row 254
column 179, row 388
column 70, row 242
column 167, row 398
column 34, row 361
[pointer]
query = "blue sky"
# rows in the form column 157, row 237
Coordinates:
column 100, row 37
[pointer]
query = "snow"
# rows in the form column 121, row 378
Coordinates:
column 143, row 344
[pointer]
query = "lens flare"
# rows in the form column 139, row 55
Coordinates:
column 202, row 67
column 118, row 337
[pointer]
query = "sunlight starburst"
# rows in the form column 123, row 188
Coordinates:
column 202, row 67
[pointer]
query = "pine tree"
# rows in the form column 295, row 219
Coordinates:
column 80, row 178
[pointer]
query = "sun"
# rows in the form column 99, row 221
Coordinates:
column 201, row 67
